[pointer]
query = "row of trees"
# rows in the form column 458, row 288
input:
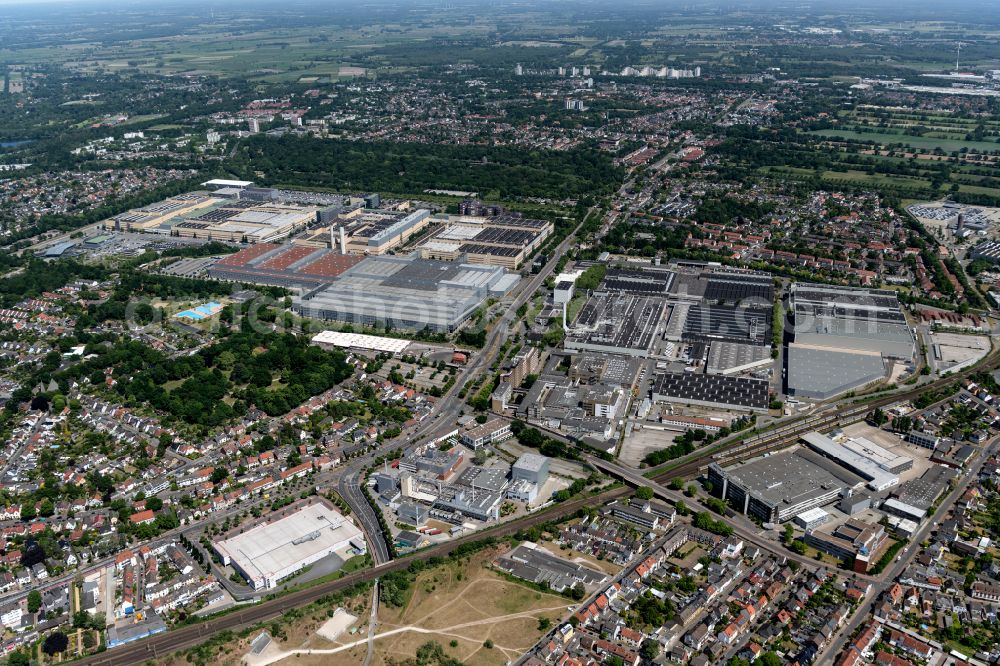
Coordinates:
column 704, row 521
column 535, row 439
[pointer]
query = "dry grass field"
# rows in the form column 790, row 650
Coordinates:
column 460, row 605
column 465, row 602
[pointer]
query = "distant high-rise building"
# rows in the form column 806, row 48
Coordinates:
column 254, row 125
column 562, row 71
column 518, row 70
column 661, row 72
column 575, row 104
column 586, row 71
column 575, row 72
column 213, row 137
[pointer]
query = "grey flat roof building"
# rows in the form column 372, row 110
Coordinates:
column 778, row 487
column 439, row 463
column 475, row 503
column 483, row 478
column 746, row 323
column 855, row 503
column 405, row 293
column 924, row 491
column 987, row 250
column 893, row 340
column 851, row 319
column 819, row 373
column 531, row 467
column 413, row 513
column 878, row 479
column 620, row 324
column 643, row 282
column 610, row 369
column 712, row 390
column 538, row 565
column 725, row 358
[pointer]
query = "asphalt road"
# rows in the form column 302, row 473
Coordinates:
column 189, row 636
column 791, row 428
column 447, row 408
column 896, row 568
column 352, row 493
column 740, row 528
column 617, row 578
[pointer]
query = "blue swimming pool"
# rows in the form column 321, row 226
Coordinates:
column 200, row 312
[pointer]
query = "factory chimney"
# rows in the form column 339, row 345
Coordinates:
column 343, row 241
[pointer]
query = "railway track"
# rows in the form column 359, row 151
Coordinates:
column 189, row 636
column 840, row 415
column 186, row 637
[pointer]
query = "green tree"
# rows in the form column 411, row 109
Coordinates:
column 878, row 417
column 902, row 424
column 769, row 659
column 227, row 360
column 18, row 658
column 55, row 643
column 34, row 601
column 644, row 492
column 788, row 534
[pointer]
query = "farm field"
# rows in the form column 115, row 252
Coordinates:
column 851, row 176
column 920, row 142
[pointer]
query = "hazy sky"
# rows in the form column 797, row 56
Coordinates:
column 924, row 9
